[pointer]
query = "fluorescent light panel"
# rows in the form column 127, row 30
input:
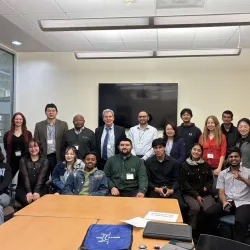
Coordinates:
column 16, row 43
column 93, row 23
column 114, row 55
column 166, row 4
column 205, row 52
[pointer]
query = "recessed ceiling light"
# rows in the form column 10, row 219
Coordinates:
column 16, row 43
column 129, row 1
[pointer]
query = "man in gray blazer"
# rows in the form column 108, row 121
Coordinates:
column 50, row 133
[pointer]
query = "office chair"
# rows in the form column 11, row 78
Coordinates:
column 210, row 242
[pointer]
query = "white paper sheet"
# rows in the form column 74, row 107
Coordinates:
column 161, row 216
column 137, row 222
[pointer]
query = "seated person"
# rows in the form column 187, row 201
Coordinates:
column 32, row 175
column 234, row 193
column 5, row 181
column 64, row 168
column 126, row 173
column 196, row 182
column 88, row 180
column 163, row 174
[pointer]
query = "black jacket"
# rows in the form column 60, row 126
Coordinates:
column 85, row 141
column 190, row 134
column 194, row 178
column 232, row 135
column 5, row 177
column 119, row 135
column 161, row 174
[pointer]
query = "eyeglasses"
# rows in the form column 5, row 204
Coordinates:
column 231, row 157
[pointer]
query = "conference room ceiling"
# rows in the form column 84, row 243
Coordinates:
column 24, row 15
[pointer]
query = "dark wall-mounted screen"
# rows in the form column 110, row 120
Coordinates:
column 127, row 100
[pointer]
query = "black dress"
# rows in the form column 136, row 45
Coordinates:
column 31, row 178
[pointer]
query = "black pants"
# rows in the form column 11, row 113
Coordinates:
column 242, row 219
column 176, row 195
column 52, row 162
column 101, row 164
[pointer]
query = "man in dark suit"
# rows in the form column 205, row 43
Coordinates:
column 107, row 138
column 50, row 133
column 81, row 137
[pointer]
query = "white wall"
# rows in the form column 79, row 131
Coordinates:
column 207, row 85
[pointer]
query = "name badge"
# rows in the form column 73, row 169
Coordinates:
column 139, row 145
column 18, row 153
column 109, row 146
column 130, row 176
column 50, row 141
column 210, row 156
column 76, row 146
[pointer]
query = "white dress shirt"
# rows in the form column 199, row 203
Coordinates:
column 111, row 141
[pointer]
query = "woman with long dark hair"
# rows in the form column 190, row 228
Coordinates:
column 32, row 176
column 15, row 141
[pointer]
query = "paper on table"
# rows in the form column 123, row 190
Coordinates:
column 137, row 222
column 161, row 216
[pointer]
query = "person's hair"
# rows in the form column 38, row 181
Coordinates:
column 247, row 121
column 12, row 128
column 2, row 158
column 217, row 131
column 74, row 151
column 186, row 110
column 106, row 111
column 228, row 112
column 174, row 128
column 51, row 105
column 234, row 149
column 144, row 112
column 197, row 144
column 158, row 142
column 89, row 153
column 126, row 139
column 33, row 140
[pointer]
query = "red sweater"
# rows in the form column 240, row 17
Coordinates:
column 210, row 147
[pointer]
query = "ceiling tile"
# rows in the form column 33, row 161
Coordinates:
column 34, row 18
column 89, row 14
column 21, row 22
column 143, row 45
column 109, row 46
column 102, row 36
column 138, row 35
column 176, row 34
column 64, row 37
column 79, row 47
column 207, row 44
column 35, row 6
column 6, row 9
column 177, row 44
column 227, row 3
column 232, row 44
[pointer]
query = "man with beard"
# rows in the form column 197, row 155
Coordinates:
column 234, row 193
column 142, row 136
column 82, row 138
column 188, row 131
column 126, row 173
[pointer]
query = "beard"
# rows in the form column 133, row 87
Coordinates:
column 127, row 153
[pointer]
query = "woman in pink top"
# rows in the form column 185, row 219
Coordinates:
column 215, row 146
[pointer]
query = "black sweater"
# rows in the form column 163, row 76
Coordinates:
column 194, row 178
column 5, row 177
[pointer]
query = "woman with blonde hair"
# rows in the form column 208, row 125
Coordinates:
column 215, row 146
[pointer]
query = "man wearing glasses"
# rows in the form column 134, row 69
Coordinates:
column 142, row 136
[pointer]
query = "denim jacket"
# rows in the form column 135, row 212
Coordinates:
column 98, row 185
column 59, row 174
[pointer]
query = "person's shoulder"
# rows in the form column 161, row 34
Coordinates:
column 41, row 123
column 99, row 129
column 4, row 165
column 44, row 160
column 88, row 130
column 117, row 127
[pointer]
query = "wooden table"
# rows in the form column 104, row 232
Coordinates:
column 40, row 233
column 112, row 208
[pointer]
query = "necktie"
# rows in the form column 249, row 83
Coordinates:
column 105, row 145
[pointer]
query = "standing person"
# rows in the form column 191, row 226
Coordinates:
column 142, row 136
column 82, row 138
column 188, row 131
column 175, row 146
column 215, row 146
column 228, row 129
column 107, row 138
column 15, row 141
column 5, row 181
column 244, row 140
column 196, row 182
column 234, row 193
column 32, row 176
column 126, row 173
column 64, row 168
column 50, row 133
